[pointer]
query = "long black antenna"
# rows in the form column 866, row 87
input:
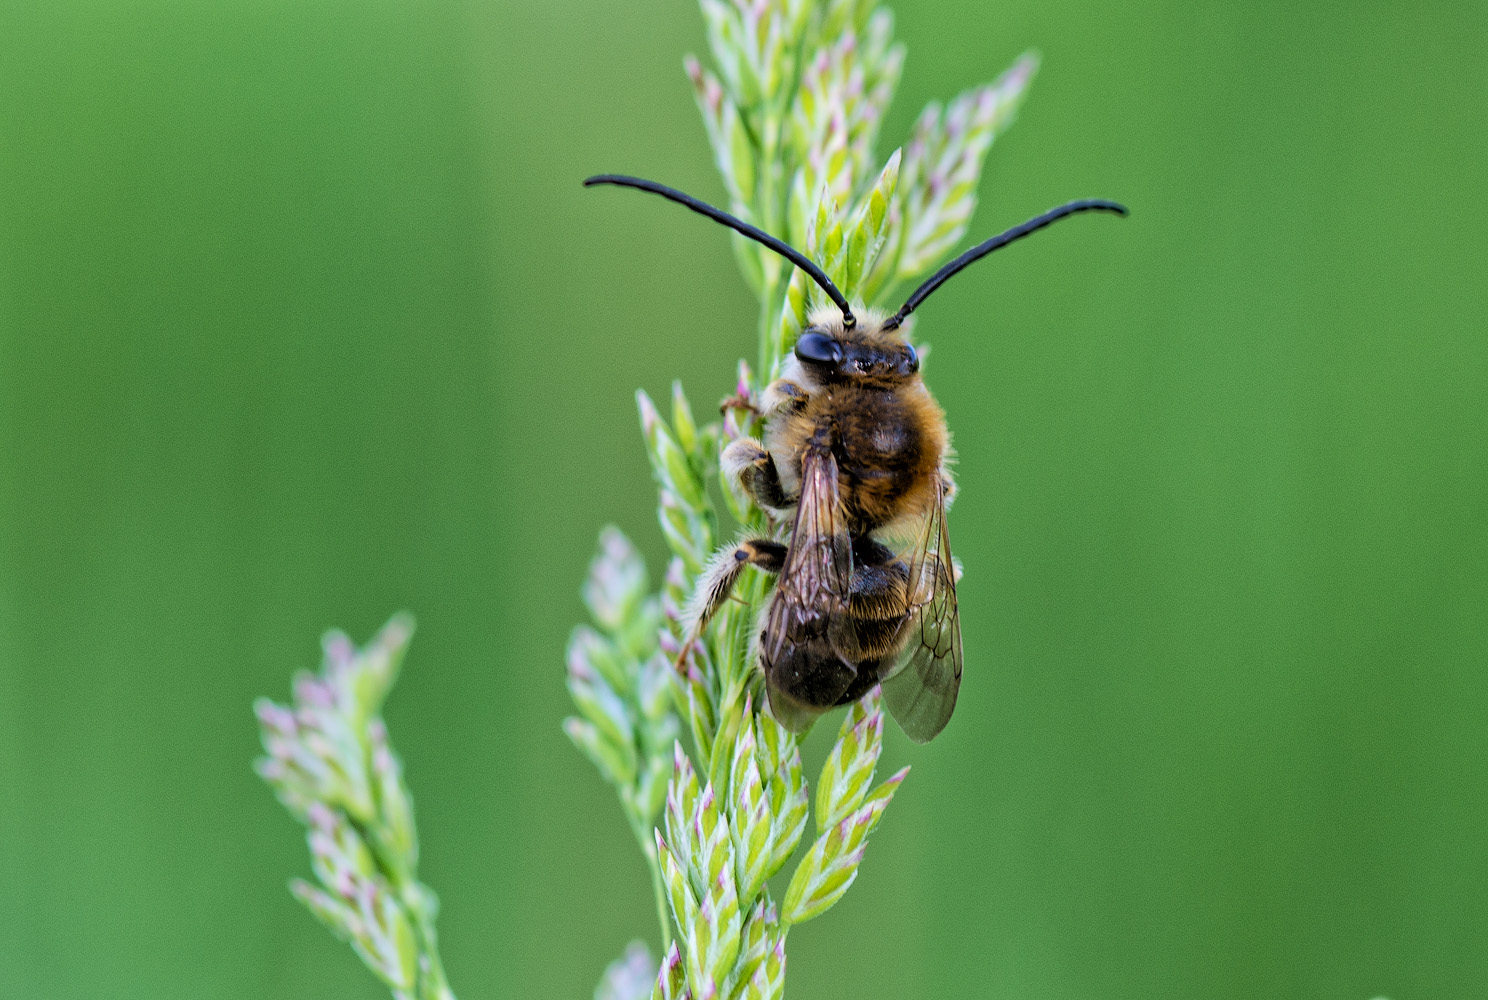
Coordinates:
column 785, row 250
column 981, row 250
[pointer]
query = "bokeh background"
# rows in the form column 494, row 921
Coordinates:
column 305, row 319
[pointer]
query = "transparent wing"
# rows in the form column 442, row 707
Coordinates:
column 804, row 672
column 921, row 694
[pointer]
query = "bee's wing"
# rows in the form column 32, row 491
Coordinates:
column 921, row 694
column 804, row 673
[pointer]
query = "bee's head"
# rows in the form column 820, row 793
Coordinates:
column 866, row 353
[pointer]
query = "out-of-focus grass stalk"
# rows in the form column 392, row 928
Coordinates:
column 620, row 683
column 792, row 104
column 329, row 761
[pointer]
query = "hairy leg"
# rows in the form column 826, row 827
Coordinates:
column 783, row 394
column 718, row 579
column 755, row 467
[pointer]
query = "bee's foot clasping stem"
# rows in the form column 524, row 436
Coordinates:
column 738, row 401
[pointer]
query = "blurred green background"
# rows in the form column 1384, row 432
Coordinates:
column 305, row 319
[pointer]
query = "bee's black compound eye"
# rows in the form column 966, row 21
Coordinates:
column 818, row 348
column 911, row 359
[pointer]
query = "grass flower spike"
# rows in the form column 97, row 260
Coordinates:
column 667, row 687
column 621, row 684
column 793, row 100
column 793, row 112
column 629, row 977
column 329, row 761
column 942, row 165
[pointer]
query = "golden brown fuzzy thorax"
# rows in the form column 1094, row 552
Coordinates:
column 886, row 431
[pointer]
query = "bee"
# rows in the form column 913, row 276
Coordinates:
column 855, row 455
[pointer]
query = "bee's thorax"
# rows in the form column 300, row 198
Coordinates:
column 889, row 442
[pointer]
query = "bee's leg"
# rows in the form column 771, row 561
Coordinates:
column 738, row 401
column 755, row 467
column 780, row 394
column 722, row 572
column 718, row 579
column 783, row 394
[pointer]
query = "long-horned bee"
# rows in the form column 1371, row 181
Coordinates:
column 855, row 454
